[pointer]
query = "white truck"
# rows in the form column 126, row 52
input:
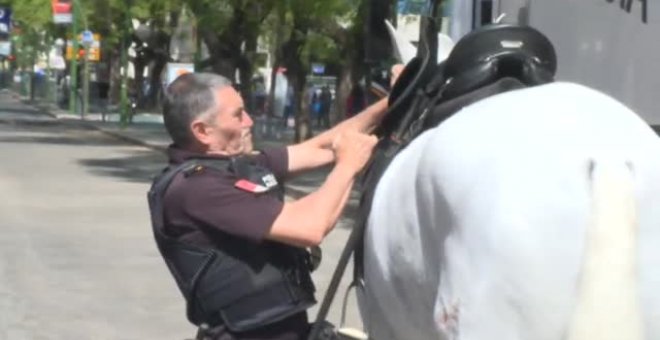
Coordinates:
column 610, row 45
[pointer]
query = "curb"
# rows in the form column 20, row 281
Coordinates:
column 42, row 109
column 129, row 139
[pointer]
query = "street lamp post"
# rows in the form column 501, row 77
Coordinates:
column 124, row 65
column 73, row 81
column 60, row 44
column 88, row 40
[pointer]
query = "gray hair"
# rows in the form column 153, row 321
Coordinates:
column 189, row 97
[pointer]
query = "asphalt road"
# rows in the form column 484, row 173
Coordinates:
column 77, row 257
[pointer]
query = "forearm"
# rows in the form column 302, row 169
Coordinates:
column 340, row 207
column 367, row 120
column 305, row 222
column 326, row 204
column 317, row 151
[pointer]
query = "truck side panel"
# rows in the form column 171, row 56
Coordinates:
column 610, row 45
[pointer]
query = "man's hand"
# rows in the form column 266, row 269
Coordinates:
column 353, row 149
column 396, row 72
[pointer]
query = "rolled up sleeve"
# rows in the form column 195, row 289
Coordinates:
column 275, row 159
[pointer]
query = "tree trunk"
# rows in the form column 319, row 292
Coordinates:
column 277, row 52
column 223, row 54
column 296, row 75
column 270, row 101
column 226, row 67
column 161, row 58
column 33, row 76
column 139, row 64
column 225, row 48
column 303, row 127
column 226, row 54
column 343, row 91
column 352, row 42
column 155, row 83
column 246, row 67
column 115, row 77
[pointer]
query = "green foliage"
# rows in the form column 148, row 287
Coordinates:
column 155, row 12
column 330, row 25
column 319, row 48
column 212, row 15
column 33, row 15
column 107, row 17
column 326, row 20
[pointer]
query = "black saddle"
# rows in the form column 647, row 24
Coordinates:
column 482, row 58
column 488, row 61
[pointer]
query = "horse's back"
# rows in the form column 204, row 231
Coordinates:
column 477, row 227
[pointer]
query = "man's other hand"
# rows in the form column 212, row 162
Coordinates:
column 353, row 149
column 396, row 72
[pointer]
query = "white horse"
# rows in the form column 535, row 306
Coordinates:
column 529, row 215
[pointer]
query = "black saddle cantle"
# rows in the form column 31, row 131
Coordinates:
column 497, row 51
column 481, row 58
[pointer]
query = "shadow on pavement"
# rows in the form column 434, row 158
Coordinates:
column 139, row 167
column 19, row 109
column 55, row 132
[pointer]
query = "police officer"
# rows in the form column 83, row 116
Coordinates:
column 234, row 247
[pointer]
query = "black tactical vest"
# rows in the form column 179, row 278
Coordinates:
column 238, row 283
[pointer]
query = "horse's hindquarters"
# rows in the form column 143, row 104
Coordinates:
column 477, row 228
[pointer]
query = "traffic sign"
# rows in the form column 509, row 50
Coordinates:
column 94, row 48
column 62, row 11
column 87, row 38
column 5, row 20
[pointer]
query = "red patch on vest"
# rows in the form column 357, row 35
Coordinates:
column 248, row 186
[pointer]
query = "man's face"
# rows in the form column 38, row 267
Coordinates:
column 229, row 129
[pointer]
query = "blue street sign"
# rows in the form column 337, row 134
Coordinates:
column 5, row 20
column 318, row 68
column 87, row 37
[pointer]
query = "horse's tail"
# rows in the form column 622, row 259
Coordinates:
column 607, row 305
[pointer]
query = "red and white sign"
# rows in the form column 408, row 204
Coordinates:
column 62, row 11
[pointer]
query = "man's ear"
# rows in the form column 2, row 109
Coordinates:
column 201, row 132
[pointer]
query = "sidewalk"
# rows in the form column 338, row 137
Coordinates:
column 148, row 130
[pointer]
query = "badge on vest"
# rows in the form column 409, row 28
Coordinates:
column 267, row 182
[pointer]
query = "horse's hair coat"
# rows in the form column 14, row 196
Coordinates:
column 477, row 228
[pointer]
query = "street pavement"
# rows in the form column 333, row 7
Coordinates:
column 77, row 257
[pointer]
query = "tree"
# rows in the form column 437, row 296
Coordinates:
column 304, row 24
column 33, row 21
column 159, row 20
column 365, row 46
column 334, row 31
column 348, row 34
column 230, row 30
